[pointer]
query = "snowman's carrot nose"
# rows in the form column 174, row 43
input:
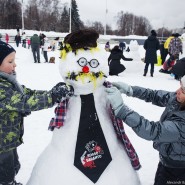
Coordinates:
column 85, row 69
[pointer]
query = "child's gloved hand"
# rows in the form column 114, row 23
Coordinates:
column 115, row 98
column 123, row 88
column 61, row 91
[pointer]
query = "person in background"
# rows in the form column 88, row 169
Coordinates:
column 17, row 39
column 41, row 39
column 18, row 29
column 166, row 46
column 167, row 134
column 54, row 44
column 29, row 43
column 60, row 44
column 7, row 38
column 107, row 46
column 24, row 40
column 122, row 46
column 115, row 66
column 151, row 45
column 175, row 46
column 162, row 51
column 35, row 46
column 45, row 49
column 178, row 70
column 42, row 36
column 16, row 102
column 168, row 64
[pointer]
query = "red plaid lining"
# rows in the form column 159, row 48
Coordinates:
column 60, row 116
column 120, row 131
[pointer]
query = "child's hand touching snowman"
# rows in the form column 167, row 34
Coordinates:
column 61, row 91
column 115, row 98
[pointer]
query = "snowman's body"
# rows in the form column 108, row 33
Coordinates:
column 55, row 165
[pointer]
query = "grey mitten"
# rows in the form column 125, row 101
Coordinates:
column 123, row 88
column 61, row 91
column 115, row 99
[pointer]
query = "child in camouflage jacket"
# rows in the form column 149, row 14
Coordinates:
column 16, row 102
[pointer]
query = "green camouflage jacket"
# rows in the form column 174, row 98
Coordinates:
column 14, row 105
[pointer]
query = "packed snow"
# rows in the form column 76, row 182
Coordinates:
column 61, row 149
column 44, row 76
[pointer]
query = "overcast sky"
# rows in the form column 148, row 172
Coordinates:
column 169, row 13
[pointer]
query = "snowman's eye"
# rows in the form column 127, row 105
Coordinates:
column 82, row 62
column 94, row 63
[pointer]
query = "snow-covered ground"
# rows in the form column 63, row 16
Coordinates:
column 44, row 76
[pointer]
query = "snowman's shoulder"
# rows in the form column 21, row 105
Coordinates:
column 100, row 91
column 100, row 96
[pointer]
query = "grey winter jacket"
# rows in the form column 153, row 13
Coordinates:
column 168, row 133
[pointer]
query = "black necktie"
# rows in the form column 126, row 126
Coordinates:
column 92, row 154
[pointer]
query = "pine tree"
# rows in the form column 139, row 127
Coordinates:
column 32, row 18
column 64, row 21
column 76, row 23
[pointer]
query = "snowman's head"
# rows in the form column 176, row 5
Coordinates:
column 83, row 64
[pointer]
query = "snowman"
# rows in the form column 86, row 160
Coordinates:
column 134, row 50
column 88, row 146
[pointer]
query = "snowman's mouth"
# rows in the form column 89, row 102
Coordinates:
column 91, row 76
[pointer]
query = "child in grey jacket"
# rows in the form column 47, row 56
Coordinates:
column 168, row 134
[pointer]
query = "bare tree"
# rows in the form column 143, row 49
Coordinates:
column 130, row 24
column 142, row 26
column 164, row 32
column 98, row 26
column 32, row 18
column 49, row 20
column 10, row 14
column 44, row 14
column 38, row 17
column 109, row 30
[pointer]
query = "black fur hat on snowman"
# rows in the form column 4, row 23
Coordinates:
column 81, row 39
